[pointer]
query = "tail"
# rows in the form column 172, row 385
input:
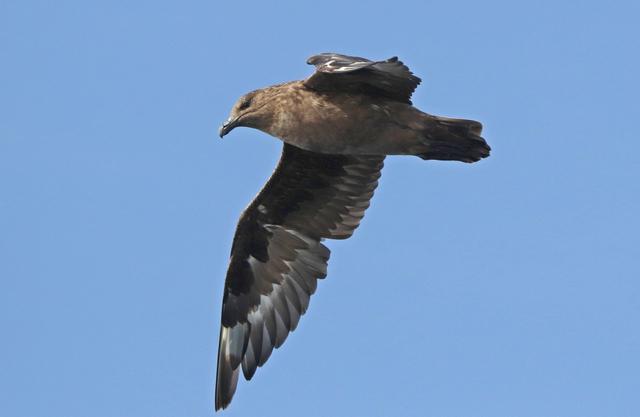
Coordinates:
column 454, row 140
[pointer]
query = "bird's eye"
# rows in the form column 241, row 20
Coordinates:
column 245, row 104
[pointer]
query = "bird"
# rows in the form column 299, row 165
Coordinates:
column 337, row 126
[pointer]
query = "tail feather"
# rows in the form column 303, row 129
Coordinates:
column 454, row 140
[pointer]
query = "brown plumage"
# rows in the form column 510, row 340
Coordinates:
column 337, row 127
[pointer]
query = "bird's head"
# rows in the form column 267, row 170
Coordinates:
column 251, row 110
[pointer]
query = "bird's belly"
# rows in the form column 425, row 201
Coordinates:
column 361, row 133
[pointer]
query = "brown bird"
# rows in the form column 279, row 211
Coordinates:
column 337, row 127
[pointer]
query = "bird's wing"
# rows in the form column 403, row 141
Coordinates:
column 335, row 72
column 277, row 254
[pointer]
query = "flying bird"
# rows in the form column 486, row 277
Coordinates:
column 337, row 127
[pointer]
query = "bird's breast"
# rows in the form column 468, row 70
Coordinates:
column 338, row 124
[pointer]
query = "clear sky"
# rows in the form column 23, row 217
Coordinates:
column 510, row 287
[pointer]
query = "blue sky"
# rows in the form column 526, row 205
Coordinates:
column 504, row 288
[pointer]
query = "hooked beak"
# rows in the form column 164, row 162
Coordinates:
column 228, row 126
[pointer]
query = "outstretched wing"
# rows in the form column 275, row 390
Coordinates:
column 277, row 254
column 335, row 72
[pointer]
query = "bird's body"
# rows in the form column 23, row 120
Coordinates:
column 369, row 126
column 337, row 127
column 363, row 124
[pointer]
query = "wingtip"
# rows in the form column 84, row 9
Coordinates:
column 222, row 403
column 313, row 60
column 228, row 365
column 225, row 391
